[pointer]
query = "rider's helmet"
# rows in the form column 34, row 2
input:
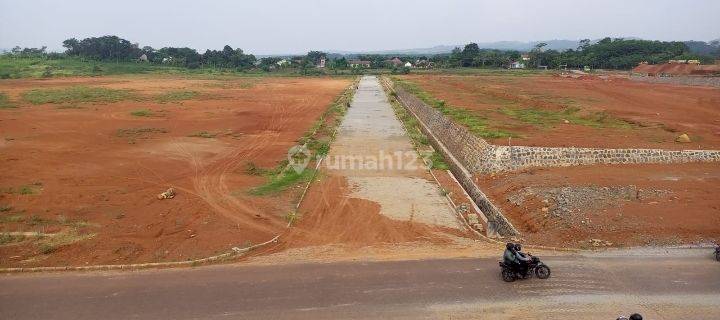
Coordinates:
column 510, row 246
column 635, row 316
column 518, row 247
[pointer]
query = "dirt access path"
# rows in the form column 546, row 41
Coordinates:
column 373, row 188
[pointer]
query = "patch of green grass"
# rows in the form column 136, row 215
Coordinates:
column 203, row 134
column 6, row 238
column 138, row 132
column 484, row 72
column 412, row 126
column 12, row 218
column 254, row 170
column 176, row 95
column 5, row 208
column 28, row 189
column 5, row 102
column 438, row 162
column 69, row 106
column 283, row 181
column 142, row 113
column 547, row 118
column 76, row 94
column 475, row 123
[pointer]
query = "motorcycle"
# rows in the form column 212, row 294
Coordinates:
column 535, row 266
column 717, row 253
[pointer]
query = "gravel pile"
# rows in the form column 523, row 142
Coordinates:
column 565, row 201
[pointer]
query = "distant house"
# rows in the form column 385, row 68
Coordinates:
column 321, row 63
column 525, row 57
column 516, row 65
column 283, row 63
column 423, row 64
column 394, row 62
column 359, row 63
column 408, row 64
column 143, row 58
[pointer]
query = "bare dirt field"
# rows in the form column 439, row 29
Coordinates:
column 544, row 110
column 621, row 205
column 87, row 166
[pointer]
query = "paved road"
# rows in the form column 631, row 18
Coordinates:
column 589, row 287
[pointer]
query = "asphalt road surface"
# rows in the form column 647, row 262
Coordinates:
column 597, row 287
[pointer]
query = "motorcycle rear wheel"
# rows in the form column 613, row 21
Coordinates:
column 542, row 272
column 507, row 275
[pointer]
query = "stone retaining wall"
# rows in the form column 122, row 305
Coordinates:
column 508, row 158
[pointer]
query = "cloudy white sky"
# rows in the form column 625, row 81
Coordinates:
column 276, row 26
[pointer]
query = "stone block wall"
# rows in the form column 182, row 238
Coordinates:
column 509, row 158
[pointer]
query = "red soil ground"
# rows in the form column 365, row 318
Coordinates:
column 85, row 175
column 658, row 112
column 329, row 216
column 689, row 213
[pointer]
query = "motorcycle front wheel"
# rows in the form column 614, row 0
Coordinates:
column 542, row 272
column 717, row 256
column 507, row 275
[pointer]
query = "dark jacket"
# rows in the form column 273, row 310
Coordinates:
column 509, row 257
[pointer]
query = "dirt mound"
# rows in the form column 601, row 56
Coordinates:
column 676, row 69
column 329, row 216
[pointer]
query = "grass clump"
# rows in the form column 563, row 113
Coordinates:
column 282, row 181
column 254, row 170
column 28, row 189
column 142, row 113
column 176, row 95
column 203, row 134
column 7, row 238
column 5, row 102
column 76, row 94
column 437, row 161
column 69, row 236
column 474, row 123
column 138, row 132
column 546, row 118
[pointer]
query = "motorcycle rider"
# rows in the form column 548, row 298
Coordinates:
column 509, row 256
column 523, row 259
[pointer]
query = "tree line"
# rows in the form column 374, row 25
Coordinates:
column 114, row 48
column 607, row 53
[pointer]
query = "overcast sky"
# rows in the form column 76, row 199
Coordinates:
column 275, row 26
